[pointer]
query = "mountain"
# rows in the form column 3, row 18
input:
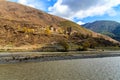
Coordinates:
column 23, row 27
column 109, row 28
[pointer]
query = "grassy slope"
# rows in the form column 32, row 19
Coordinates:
column 109, row 28
column 22, row 16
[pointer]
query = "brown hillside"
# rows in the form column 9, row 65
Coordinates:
column 22, row 25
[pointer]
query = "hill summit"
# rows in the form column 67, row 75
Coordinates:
column 23, row 27
column 106, row 27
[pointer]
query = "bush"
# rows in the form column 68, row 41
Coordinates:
column 26, row 30
column 47, row 31
column 65, row 45
column 86, row 44
column 81, row 48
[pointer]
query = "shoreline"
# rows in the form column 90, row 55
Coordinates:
column 18, row 57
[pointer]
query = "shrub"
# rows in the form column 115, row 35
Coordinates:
column 81, row 48
column 26, row 30
column 65, row 45
column 47, row 31
column 86, row 44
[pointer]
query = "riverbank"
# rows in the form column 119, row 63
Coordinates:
column 15, row 57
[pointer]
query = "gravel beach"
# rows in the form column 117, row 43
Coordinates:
column 16, row 57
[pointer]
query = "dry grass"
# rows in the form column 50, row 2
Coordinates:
column 14, row 16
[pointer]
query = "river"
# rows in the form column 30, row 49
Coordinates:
column 76, row 69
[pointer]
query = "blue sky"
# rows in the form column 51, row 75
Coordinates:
column 79, row 11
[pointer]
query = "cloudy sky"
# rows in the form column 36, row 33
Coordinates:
column 79, row 11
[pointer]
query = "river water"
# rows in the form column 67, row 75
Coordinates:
column 77, row 69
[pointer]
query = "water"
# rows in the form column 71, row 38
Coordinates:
column 79, row 69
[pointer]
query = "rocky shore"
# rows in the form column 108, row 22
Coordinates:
column 17, row 57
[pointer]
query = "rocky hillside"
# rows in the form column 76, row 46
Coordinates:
column 109, row 28
column 26, row 27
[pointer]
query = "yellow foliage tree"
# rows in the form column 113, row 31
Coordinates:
column 27, row 30
column 47, row 31
column 30, row 30
column 60, row 31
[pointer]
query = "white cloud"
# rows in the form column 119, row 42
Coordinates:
column 80, row 23
column 26, row 2
column 81, row 9
column 22, row 1
column 33, row 3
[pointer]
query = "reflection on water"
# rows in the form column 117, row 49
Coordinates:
column 80, row 69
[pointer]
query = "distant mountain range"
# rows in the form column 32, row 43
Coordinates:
column 109, row 28
column 26, row 27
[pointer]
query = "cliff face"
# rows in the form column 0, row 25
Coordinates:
column 22, row 25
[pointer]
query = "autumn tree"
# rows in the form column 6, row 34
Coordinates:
column 47, row 31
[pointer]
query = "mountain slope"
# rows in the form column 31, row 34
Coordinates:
column 109, row 28
column 25, row 26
